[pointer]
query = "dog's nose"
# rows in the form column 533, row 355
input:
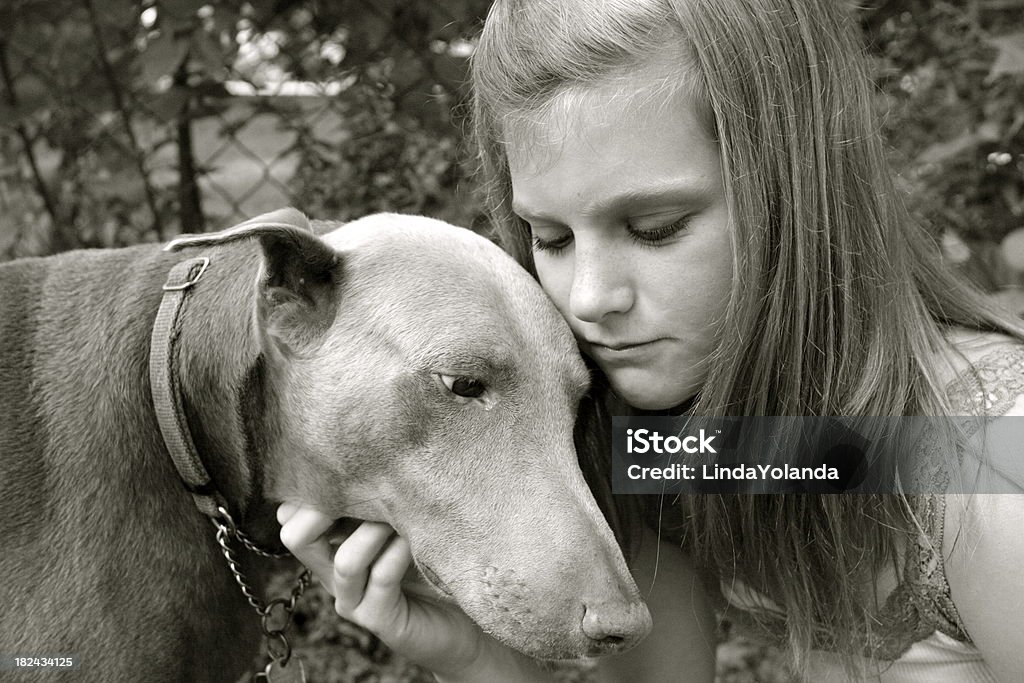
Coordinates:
column 615, row 626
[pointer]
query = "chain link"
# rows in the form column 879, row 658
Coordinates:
column 252, row 547
column 276, row 642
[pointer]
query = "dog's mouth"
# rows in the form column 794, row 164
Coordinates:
column 433, row 580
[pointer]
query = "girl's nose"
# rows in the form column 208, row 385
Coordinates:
column 600, row 285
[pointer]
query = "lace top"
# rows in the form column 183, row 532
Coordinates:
column 921, row 603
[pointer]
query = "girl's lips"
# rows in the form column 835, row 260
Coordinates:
column 620, row 347
column 625, row 353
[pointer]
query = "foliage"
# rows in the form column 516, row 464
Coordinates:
column 130, row 121
column 951, row 80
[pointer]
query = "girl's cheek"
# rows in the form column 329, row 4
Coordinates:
column 555, row 278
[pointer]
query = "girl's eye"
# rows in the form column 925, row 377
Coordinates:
column 466, row 387
column 655, row 235
column 647, row 237
column 552, row 245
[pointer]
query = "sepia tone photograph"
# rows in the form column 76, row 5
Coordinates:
column 324, row 326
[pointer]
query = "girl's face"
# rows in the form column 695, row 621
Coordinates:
column 627, row 208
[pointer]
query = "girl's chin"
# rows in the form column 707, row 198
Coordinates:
column 650, row 392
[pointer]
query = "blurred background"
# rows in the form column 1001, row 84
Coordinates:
column 124, row 122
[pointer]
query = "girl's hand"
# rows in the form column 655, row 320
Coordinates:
column 365, row 577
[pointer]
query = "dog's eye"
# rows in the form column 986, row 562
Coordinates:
column 467, row 387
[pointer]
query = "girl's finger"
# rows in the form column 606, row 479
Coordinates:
column 352, row 564
column 303, row 534
column 389, row 569
column 382, row 608
column 285, row 512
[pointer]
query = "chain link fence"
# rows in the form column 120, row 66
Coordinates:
column 125, row 122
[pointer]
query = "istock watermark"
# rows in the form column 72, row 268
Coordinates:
column 648, row 441
column 910, row 455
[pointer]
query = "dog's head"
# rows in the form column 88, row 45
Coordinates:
column 422, row 378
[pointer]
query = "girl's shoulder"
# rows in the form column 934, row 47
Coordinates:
column 986, row 381
column 982, row 373
column 982, row 550
column 982, row 547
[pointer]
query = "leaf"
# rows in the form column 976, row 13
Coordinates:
column 181, row 10
column 166, row 106
column 116, row 14
column 32, row 93
column 1012, row 248
column 162, row 56
column 1010, row 59
column 371, row 31
column 11, row 116
column 124, row 184
column 210, row 54
column 939, row 152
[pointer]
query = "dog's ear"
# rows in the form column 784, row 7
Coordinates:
column 299, row 286
column 297, row 289
column 286, row 219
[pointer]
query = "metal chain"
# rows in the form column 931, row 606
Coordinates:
column 252, row 547
column 278, row 648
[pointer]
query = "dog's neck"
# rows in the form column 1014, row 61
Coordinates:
column 222, row 380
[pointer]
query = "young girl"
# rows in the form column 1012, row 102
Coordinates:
column 700, row 187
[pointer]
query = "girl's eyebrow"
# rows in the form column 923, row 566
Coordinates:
column 679, row 190
column 531, row 216
column 682, row 191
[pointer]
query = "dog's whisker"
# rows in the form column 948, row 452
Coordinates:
column 657, row 545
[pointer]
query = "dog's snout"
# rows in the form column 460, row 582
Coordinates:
column 615, row 626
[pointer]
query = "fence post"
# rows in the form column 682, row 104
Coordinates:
column 190, row 206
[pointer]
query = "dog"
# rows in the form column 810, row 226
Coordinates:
column 395, row 368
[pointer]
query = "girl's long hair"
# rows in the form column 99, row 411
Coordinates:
column 839, row 297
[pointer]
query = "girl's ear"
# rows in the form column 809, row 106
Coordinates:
column 298, row 285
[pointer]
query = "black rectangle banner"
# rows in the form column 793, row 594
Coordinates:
column 910, row 455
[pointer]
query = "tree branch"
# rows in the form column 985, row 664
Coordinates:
column 122, row 108
column 26, row 140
